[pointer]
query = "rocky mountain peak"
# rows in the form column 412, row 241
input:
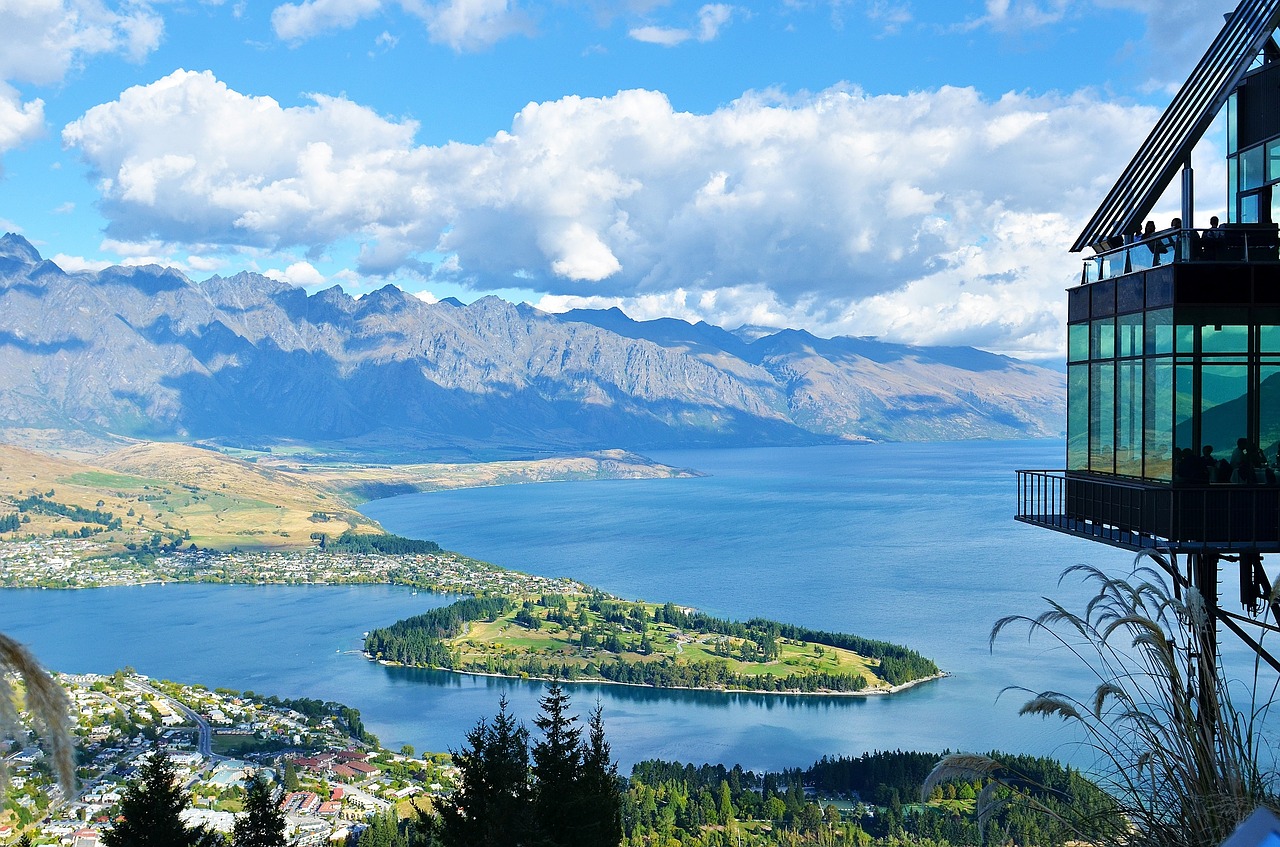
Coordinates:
column 18, row 249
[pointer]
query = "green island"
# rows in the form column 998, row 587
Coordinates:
column 592, row 636
column 150, row 518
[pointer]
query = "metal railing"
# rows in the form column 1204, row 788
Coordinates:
column 1139, row 516
column 1240, row 243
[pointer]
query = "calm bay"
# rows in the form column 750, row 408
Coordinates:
column 911, row 543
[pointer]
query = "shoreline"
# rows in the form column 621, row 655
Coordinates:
column 878, row 692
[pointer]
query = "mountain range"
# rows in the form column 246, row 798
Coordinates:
column 147, row 352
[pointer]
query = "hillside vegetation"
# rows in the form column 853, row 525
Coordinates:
column 152, row 494
column 593, row 636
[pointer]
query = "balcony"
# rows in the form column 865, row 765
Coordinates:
column 1229, row 244
column 1143, row 516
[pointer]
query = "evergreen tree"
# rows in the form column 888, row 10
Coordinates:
column 601, row 807
column 557, row 763
column 490, row 807
column 291, row 782
column 262, row 824
column 151, row 807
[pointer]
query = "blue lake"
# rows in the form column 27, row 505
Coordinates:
column 909, row 543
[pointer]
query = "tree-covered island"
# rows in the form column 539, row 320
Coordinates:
column 591, row 636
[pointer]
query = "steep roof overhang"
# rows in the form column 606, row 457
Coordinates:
column 1197, row 103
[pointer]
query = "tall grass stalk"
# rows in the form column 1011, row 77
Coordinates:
column 46, row 704
column 1181, row 778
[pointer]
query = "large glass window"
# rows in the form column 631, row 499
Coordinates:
column 1233, row 188
column 1078, row 343
column 1160, row 332
column 1185, row 339
column 1252, row 173
column 1224, row 338
column 1273, row 160
column 1224, row 405
column 1269, row 408
column 1129, row 330
column 1078, row 418
column 1249, row 209
column 1102, row 417
column 1129, row 417
column 1184, row 408
column 1103, row 339
column 1158, row 432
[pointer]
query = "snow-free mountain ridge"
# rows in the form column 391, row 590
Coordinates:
column 147, row 352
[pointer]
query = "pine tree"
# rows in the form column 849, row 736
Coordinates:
column 490, row 807
column 262, row 824
column 601, row 807
column 557, row 763
column 151, row 808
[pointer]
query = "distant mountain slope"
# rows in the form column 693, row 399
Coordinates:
column 148, row 352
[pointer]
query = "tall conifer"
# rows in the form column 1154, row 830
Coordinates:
column 262, row 823
column 557, row 763
column 151, row 809
column 490, row 807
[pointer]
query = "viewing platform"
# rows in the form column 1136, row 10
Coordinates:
column 1227, row 244
column 1136, row 515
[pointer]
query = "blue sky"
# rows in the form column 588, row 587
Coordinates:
column 910, row 170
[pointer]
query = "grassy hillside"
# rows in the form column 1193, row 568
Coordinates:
column 172, row 490
column 250, row 500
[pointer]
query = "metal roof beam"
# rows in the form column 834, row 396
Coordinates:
column 1246, row 33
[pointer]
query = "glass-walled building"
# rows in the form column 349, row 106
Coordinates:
column 1173, row 358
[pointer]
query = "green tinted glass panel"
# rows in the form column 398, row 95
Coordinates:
column 1233, row 215
column 1224, row 338
column 1269, row 339
column 1273, row 160
column 1183, row 407
column 1252, row 174
column 1129, row 417
column 1102, row 418
column 1078, row 343
column 1103, row 339
column 1185, row 339
column 1157, row 446
column 1129, row 332
column 1224, row 406
column 1078, row 418
column 1160, row 332
column 1269, row 409
column 1249, row 209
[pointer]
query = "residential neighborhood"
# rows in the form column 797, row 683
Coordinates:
column 329, row 783
column 81, row 563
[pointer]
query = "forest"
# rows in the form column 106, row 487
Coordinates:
column 594, row 636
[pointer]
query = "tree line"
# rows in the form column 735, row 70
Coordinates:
column 898, row 664
column 562, row 790
column 710, row 805
column 79, row 514
column 420, row 640
column 368, row 543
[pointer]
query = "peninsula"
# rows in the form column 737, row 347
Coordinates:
column 176, row 513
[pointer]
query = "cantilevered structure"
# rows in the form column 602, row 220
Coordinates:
column 1174, row 346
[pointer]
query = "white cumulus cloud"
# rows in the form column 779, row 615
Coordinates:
column 19, row 122
column 711, row 18
column 41, row 40
column 464, row 25
column 299, row 21
column 939, row 216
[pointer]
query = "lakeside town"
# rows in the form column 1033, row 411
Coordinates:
column 333, row 776
column 41, row 562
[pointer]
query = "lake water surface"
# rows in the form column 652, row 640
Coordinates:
column 909, row 543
